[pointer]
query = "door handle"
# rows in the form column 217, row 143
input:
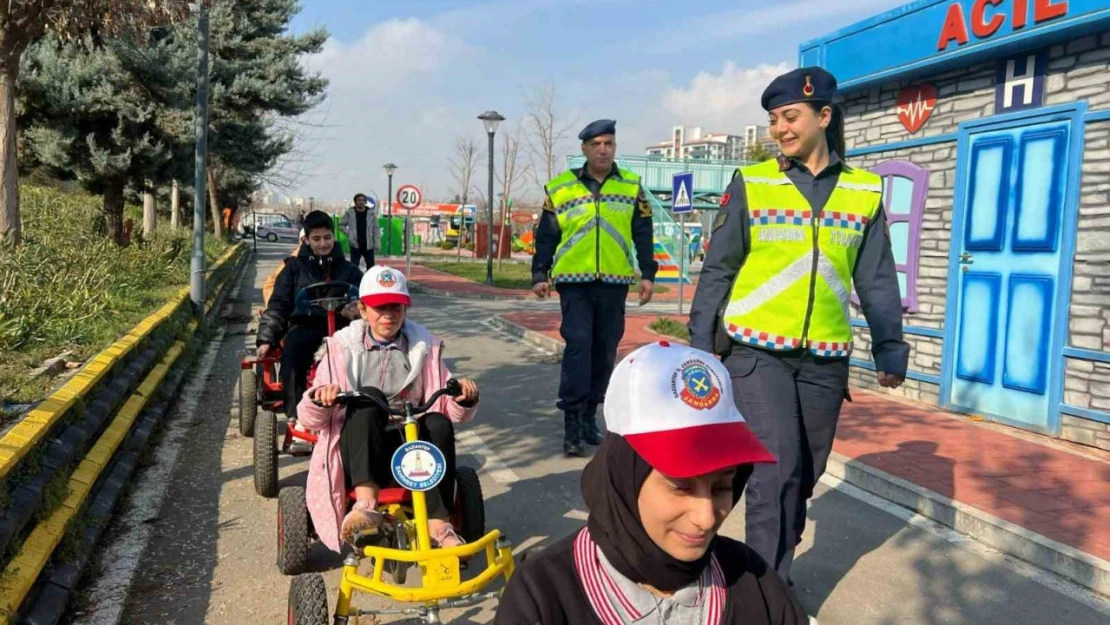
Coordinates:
column 965, row 259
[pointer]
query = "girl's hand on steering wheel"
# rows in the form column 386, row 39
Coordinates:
column 469, row 392
column 325, row 395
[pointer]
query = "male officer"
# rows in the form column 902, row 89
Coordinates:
column 592, row 220
column 792, row 237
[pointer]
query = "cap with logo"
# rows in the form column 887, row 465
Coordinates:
column 383, row 285
column 674, row 406
column 805, row 84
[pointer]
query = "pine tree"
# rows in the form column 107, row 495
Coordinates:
column 86, row 116
column 23, row 23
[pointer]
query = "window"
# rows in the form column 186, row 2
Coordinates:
column 905, row 186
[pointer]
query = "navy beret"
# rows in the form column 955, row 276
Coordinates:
column 805, row 84
column 598, row 128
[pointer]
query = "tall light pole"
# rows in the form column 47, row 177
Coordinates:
column 490, row 119
column 197, row 263
column 389, row 169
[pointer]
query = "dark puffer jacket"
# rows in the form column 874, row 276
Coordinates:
column 299, row 272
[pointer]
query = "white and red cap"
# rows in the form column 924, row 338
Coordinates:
column 674, row 406
column 382, row 285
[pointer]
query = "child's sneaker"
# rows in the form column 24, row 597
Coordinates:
column 300, row 447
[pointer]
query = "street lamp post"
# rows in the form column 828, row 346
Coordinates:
column 490, row 119
column 389, row 169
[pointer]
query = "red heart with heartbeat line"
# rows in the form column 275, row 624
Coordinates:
column 915, row 105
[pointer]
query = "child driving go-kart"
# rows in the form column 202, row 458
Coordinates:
column 302, row 328
column 385, row 354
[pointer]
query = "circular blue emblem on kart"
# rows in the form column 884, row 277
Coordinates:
column 419, row 466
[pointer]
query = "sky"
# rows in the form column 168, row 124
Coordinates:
column 409, row 76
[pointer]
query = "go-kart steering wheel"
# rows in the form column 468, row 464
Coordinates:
column 327, row 295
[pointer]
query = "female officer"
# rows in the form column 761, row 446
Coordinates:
column 792, row 238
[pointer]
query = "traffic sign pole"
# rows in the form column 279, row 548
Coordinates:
column 409, row 197
column 682, row 202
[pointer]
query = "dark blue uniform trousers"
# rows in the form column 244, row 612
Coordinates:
column 792, row 402
column 592, row 327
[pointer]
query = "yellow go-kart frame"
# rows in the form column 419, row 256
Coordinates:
column 441, row 585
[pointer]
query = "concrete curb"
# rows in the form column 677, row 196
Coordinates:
column 1068, row 562
column 538, row 339
column 416, row 287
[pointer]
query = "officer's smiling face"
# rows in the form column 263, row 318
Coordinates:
column 798, row 129
column 600, row 151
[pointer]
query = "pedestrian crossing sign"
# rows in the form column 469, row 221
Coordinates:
column 682, row 188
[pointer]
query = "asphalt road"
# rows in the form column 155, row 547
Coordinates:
column 206, row 554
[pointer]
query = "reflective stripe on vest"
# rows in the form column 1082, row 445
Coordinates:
column 795, row 285
column 596, row 231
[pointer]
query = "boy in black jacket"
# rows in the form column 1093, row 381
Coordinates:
column 318, row 260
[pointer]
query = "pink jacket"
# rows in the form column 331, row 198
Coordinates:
column 326, row 494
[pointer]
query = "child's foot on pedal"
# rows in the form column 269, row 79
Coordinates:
column 443, row 535
column 360, row 521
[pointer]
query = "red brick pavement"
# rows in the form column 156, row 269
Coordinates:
column 1063, row 496
column 440, row 281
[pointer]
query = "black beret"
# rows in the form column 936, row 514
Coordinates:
column 598, row 128
column 805, row 84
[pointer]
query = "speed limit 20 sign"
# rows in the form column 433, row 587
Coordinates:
column 409, row 197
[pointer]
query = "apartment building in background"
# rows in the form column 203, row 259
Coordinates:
column 695, row 143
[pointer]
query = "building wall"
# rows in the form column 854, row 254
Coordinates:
column 1077, row 71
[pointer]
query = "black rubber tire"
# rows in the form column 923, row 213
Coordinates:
column 271, row 237
column 265, row 455
column 248, row 401
column 293, row 538
column 308, row 600
column 469, row 505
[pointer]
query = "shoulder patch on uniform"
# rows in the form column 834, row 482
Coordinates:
column 725, row 198
column 719, row 220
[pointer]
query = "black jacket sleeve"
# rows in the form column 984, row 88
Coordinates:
column 548, row 235
column 275, row 320
column 643, row 238
column 876, row 282
column 728, row 248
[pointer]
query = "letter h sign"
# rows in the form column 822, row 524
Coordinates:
column 1020, row 82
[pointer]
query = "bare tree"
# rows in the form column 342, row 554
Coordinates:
column 548, row 132
column 513, row 173
column 463, row 165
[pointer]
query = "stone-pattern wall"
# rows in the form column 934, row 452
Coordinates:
column 1076, row 71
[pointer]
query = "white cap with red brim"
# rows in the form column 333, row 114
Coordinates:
column 674, row 406
column 382, row 285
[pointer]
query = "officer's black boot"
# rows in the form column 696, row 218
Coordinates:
column 572, row 434
column 590, row 434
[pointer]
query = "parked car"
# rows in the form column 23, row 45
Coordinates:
column 279, row 230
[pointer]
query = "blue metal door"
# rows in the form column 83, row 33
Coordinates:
column 1004, row 321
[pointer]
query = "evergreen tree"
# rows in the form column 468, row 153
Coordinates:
column 87, row 117
column 21, row 24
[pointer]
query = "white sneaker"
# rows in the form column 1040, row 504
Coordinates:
column 299, row 446
column 812, row 621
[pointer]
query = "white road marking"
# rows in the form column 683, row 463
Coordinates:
column 470, row 443
column 577, row 515
column 120, row 558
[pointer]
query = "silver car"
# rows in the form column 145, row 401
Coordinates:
column 279, row 230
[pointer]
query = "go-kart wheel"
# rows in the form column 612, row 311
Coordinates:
column 248, row 401
column 271, row 237
column 265, row 455
column 396, row 569
column 293, row 539
column 308, row 600
column 470, row 508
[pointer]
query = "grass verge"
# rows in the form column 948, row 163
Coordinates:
column 669, row 326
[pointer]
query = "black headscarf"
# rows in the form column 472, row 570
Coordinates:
column 611, row 485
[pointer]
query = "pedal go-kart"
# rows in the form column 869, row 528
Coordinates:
column 401, row 541
column 331, row 297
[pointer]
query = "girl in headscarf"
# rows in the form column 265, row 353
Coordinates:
column 672, row 467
